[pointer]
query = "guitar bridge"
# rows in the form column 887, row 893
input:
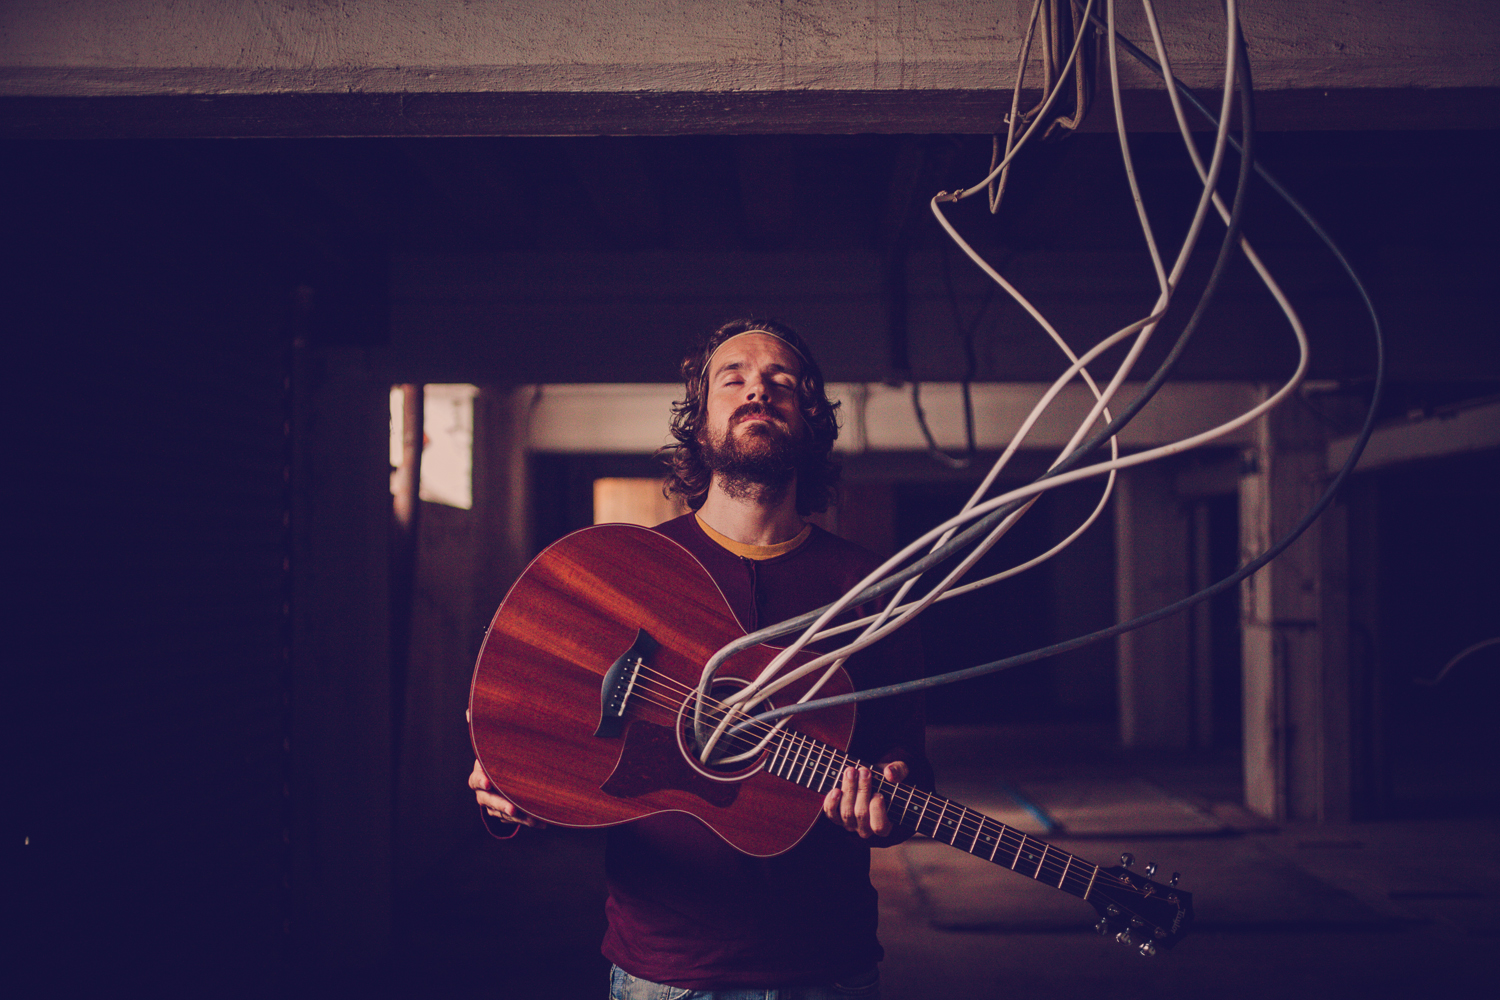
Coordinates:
column 619, row 683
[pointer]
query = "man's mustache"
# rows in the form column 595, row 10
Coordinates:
column 756, row 409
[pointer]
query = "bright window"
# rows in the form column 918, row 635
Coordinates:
column 447, row 443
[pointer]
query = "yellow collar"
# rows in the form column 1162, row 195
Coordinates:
column 756, row 552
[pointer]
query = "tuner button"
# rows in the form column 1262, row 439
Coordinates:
column 1151, row 869
column 1148, row 949
column 1137, row 922
column 1112, row 910
column 1127, row 859
column 1174, row 878
column 1102, row 926
column 1124, row 937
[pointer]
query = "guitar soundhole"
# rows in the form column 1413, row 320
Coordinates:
column 728, row 746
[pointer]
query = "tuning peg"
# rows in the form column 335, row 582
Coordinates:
column 1150, row 869
column 1124, row 937
column 1102, row 926
column 1127, row 859
column 1148, row 949
column 1173, row 880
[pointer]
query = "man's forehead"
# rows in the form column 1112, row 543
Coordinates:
column 737, row 351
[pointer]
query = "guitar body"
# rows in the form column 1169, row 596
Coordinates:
column 534, row 704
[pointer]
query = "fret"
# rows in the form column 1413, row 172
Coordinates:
column 812, row 771
column 937, row 824
column 1019, row 848
column 836, row 764
column 998, row 838
column 781, row 755
column 1042, row 860
column 893, row 806
column 804, row 751
column 794, row 749
column 889, row 790
column 817, row 764
column 833, row 770
column 900, row 810
column 926, row 801
column 1066, row 865
column 977, row 834
column 812, row 767
column 957, row 823
column 1090, row 887
column 809, row 765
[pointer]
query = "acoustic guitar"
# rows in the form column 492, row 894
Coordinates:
column 581, row 713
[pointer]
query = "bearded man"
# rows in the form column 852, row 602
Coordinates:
column 689, row 916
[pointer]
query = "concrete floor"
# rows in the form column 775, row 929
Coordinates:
column 1402, row 909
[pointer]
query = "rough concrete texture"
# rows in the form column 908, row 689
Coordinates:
column 97, row 47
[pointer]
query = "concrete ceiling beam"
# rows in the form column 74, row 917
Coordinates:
column 259, row 67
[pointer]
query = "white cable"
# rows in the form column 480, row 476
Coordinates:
column 1135, row 188
column 758, row 689
column 1015, row 107
column 1145, row 328
column 1162, row 451
column 880, row 624
column 1040, row 115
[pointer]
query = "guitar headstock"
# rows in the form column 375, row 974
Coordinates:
column 1138, row 911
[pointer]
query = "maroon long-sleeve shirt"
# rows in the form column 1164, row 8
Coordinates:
column 688, row 910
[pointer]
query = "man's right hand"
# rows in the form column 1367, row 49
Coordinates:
column 496, row 804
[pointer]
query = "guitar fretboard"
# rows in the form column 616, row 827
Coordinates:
column 817, row 765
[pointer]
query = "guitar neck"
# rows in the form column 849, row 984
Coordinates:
column 817, row 765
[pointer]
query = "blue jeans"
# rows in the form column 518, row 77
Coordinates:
column 624, row 986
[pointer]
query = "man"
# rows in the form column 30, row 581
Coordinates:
column 686, row 911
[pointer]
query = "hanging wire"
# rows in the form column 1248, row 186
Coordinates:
column 1252, row 565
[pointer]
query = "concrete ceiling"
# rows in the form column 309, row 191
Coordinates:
column 389, row 67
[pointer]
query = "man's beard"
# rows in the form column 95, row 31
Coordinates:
column 760, row 463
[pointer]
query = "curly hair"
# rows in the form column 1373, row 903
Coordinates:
column 817, row 473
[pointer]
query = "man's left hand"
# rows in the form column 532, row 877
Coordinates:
column 854, row 805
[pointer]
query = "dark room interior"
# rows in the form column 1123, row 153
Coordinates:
column 238, row 693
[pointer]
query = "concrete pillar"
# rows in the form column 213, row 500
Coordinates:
column 1200, row 630
column 342, row 772
column 502, row 497
column 432, row 801
column 467, row 560
column 1294, row 615
column 1152, row 569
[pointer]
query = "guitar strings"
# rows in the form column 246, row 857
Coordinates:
column 1061, row 865
column 1053, row 860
